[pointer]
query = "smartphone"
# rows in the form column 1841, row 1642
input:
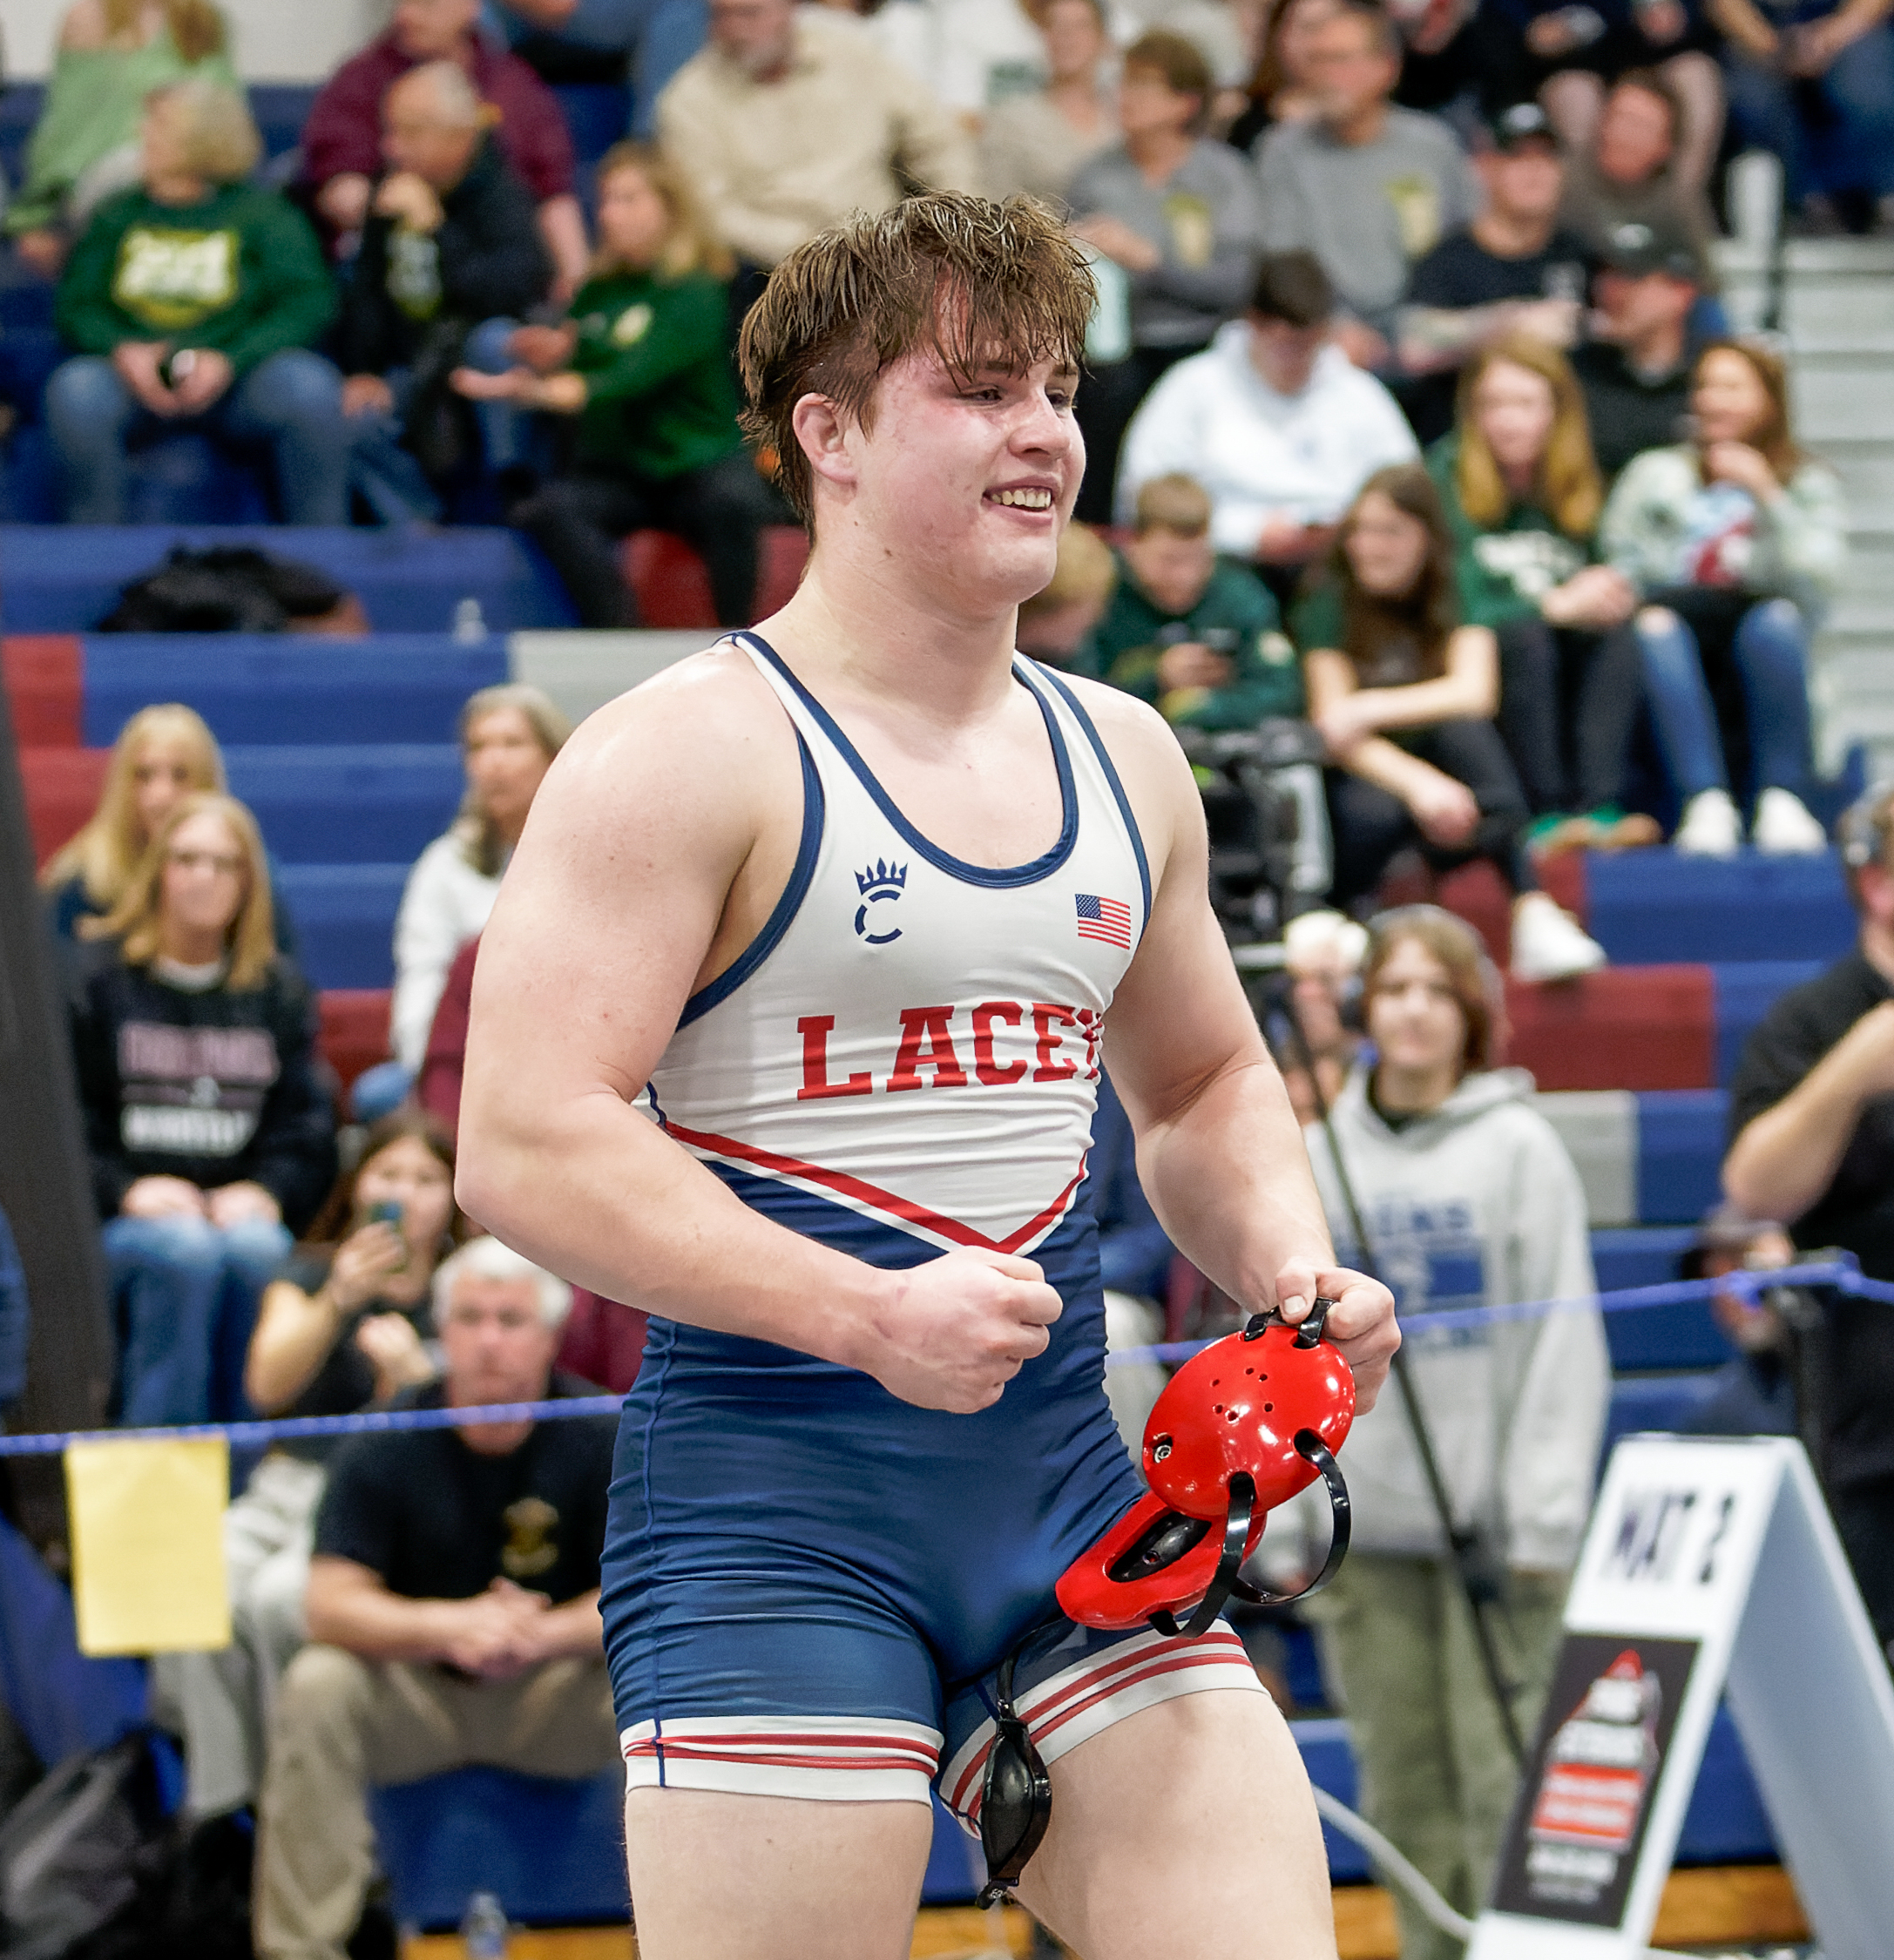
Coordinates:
column 386, row 1213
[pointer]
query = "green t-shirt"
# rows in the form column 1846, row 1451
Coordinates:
column 1317, row 623
column 240, row 272
column 1502, row 573
column 1234, row 613
column 660, row 398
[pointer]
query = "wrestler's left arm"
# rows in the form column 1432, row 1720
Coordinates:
column 1219, row 1153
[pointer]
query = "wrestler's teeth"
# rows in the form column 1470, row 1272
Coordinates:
column 1025, row 499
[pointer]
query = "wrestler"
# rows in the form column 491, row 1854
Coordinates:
column 787, row 1027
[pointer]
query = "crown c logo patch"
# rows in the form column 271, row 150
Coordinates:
column 879, row 884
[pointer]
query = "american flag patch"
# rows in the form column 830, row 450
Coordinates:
column 1108, row 919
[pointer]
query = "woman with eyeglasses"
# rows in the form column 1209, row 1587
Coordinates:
column 1734, row 542
column 1469, row 1199
column 207, row 1117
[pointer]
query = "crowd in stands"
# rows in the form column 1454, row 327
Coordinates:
column 1422, row 471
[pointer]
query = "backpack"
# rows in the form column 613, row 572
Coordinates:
column 228, row 589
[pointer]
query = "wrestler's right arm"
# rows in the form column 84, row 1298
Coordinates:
column 656, row 848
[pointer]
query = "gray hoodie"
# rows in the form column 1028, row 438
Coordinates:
column 1475, row 1203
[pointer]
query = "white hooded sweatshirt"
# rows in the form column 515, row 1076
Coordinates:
column 1260, row 454
column 1474, row 1204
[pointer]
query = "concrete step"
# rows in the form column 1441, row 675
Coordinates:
column 1853, row 403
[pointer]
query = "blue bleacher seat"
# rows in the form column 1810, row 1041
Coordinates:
column 1646, row 907
column 1655, row 1337
column 270, row 688
column 331, row 804
column 345, row 920
column 281, row 109
column 1745, row 992
column 63, row 578
column 1658, row 1403
column 1680, row 1137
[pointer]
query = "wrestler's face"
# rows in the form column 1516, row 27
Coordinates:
column 971, row 479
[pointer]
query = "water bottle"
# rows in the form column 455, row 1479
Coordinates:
column 483, row 1929
column 470, row 622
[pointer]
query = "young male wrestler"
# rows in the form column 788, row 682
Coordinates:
column 786, row 1028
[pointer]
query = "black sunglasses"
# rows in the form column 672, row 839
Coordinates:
column 1015, row 1796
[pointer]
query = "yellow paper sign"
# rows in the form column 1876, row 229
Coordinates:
column 148, row 1544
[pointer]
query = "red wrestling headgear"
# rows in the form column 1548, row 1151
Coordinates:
column 1240, row 1428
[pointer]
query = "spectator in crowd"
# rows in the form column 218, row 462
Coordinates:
column 1280, row 91
column 643, row 368
column 1036, row 144
column 642, row 42
column 986, row 52
column 1635, row 369
column 453, row 1605
column 1404, row 696
column 1177, row 214
column 905, row 30
column 1754, row 1393
column 1273, row 422
column 1473, row 1201
column 1735, row 541
column 1573, row 59
column 449, row 260
column 1322, row 953
column 1058, row 626
column 343, row 139
column 1367, row 187
column 788, row 121
column 207, row 1118
column 1523, row 497
column 193, row 300
column 508, row 735
column 1811, row 1129
column 1197, row 636
column 346, row 1325
column 1513, row 270
column 162, row 753
column 1813, row 81
column 112, row 54
column 1633, row 172
column 1457, row 61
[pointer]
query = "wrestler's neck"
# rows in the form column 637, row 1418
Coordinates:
column 865, row 623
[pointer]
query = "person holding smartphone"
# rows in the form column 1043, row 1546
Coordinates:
column 347, row 1324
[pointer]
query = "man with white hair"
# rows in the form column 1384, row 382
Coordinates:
column 453, row 1605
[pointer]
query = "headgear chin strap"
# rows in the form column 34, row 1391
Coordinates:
column 1240, row 1429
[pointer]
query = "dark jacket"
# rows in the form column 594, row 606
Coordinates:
column 486, row 261
column 215, row 1087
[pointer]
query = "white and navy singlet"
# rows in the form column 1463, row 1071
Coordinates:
column 806, row 1579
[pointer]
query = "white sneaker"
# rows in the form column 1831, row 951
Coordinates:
column 1784, row 826
column 1548, row 944
column 1710, row 827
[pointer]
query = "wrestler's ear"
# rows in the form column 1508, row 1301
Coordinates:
column 823, row 429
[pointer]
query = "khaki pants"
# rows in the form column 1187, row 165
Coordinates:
column 1435, row 1773
column 342, row 1725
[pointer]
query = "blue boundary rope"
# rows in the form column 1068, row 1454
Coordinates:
column 1844, row 1274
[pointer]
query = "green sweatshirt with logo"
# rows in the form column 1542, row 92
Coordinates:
column 241, row 273
column 1503, row 572
column 1234, row 613
column 660, row 396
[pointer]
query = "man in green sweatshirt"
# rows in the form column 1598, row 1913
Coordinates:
column 194, row 300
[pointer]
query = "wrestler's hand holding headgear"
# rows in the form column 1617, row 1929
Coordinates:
column 1240, row 1428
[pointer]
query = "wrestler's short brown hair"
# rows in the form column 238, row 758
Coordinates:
column 975, row 281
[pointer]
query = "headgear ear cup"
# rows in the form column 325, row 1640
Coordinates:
column 1240, row 1428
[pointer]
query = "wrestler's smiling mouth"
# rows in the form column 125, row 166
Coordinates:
column 1025, row 497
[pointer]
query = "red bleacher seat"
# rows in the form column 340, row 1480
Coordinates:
column 44, row 678
column 1629, row 1027
column 673, row 591
column 1477, row 895
column 353, row 1034
column 62, row 786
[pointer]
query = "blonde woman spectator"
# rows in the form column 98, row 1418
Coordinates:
column 508, row 735
column 112, row 54
column 207, row 1120
column 1734, row 541
column 1473, row 1202
column 162, row 753
column 1037, row 143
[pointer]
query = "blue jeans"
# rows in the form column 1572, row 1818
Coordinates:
column 290, row 403
column 510, row 435
column 1770, row 649
column 662, row 34
column 1848, row 142
column 185, row 1299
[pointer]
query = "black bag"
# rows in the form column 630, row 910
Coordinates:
column 86, row 1857
column 439, row 430
column 228, row 589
